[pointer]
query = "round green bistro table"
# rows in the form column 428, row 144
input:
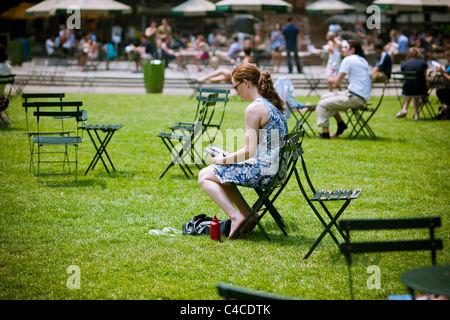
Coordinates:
column 433, row 280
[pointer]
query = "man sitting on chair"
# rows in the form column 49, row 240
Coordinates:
column 383, row 68
column 356, row 67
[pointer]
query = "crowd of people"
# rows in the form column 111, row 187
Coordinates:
column 413, row 50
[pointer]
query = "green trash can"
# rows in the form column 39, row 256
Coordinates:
column 154, row 76
column 15, row 53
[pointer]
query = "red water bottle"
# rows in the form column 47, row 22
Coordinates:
column 215, row 229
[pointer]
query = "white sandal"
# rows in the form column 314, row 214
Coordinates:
column 169, row 231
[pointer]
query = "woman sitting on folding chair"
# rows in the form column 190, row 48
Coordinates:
column 256, row 163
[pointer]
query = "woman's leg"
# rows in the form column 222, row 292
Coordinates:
column 225, row 196
column 404, row 110
column 415, row 103
column 216, row 76
column 273, row 57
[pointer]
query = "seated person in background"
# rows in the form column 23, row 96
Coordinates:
column 50, row 46
column 110, row 53
column 233, row 51
column 144, row 51
column 383, row 68
column 168, row 54
column 443, row 93
column 201, row 45
column 5, row 70
column 224, row 74
column 413, row 89
column 89, row 51
column 356, row 67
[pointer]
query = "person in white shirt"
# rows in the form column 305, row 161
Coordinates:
column 357, row 94
column 50, row 45
column 5, row 70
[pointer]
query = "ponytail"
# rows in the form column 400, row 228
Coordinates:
column 262, row 80
column 267, row 90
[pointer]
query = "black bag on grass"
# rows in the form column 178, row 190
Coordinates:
column 201, row 225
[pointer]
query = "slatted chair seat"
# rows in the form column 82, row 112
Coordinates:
column 103, row 127
column 333, row 195
column 57, row 140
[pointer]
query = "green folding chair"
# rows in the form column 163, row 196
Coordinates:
column 32, row 124
column 49, row 141
column 302, row 115
column 358, row 119
column 323, row 198
column 430, row 243
column 268, row 194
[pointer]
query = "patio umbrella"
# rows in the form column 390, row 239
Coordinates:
column 329, row 7
column 103, row 7
column 408, row 6
column 253, row 6
column 17, row 12
column 193, row 8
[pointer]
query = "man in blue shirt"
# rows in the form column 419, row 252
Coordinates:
column 383, row 68
column 403, row 43
column 290, row 33
column 235, row 49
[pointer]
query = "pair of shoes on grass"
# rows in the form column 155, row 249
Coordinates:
column 168, row 231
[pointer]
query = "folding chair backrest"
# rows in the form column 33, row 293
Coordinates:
column 291, row 151
column 430, row 244
column 45, row 109
column 238, row 293
column 207, row 108
column 382, row 96
column 27, row 96
column 38, row 97
column 219, row 99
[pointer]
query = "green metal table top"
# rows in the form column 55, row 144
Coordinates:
column 433, row 279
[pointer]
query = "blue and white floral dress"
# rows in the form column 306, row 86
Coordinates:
column 259, row 170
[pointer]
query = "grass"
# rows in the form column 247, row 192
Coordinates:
column 102, row 225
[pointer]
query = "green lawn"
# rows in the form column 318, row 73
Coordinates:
column 102, row 225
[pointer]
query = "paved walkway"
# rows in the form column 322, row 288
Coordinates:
column 128, row 81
